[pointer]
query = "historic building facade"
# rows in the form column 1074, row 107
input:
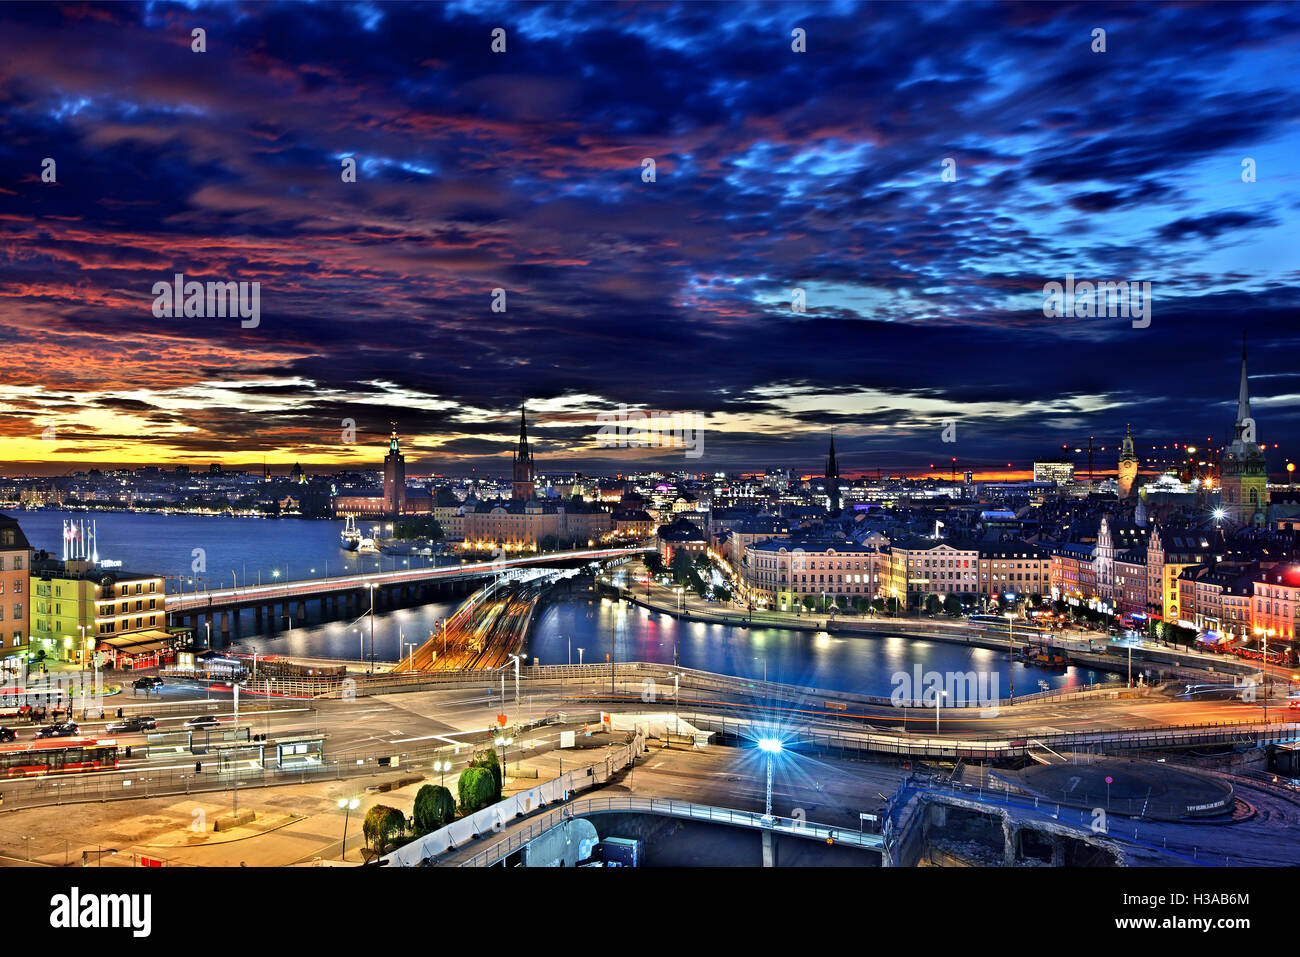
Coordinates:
column 1242, row 469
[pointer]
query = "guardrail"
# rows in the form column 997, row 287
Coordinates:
column 182, row 602
column 793, row 827
column 1001, row 748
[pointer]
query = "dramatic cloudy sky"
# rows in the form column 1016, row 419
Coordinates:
column 523, row 170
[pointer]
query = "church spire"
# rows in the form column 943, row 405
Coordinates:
column 1243, row 392
column 832, row 480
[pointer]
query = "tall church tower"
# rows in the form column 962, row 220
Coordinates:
column 395, row 475
column 832, row 480
column 1242, row 469
column 1128, row 465
column 522, row 486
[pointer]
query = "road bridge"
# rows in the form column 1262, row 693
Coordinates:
column 353, row 592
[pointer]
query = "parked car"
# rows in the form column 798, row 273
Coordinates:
column 203, row 721
column 7, row 734
column 60, row 729
column 147, row 682
column 134, row 723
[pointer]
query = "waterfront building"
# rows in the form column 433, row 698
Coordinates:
column 1169, row 552
column 1073, row 575
column 1129, row 593
column 15, row 579
column 919, row 567
column 1276, row 603
column 1217, row 599
column 78, row 609
column 533, row 524
column 393, row 499
column 681, row 536
column 780, row 572
column 1014, row 568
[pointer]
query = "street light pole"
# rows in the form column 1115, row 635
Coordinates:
column 348, row 806
column 1011, row 661
column 372, row 588
column 771, row 746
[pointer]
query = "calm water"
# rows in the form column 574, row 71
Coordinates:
column 813, row 660
column 233, row 548
column 247, row 547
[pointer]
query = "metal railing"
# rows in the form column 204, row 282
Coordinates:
column 536, row 827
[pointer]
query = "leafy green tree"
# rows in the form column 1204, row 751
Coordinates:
column 861, row 604
column 878, row 604
column 486, row 758
column 722, row 593
column 434, row 808
column 952, row 605
column 381, row 825
column 809, row 602
column 892, row 605
column 932, row 605
column 653, row 562
column 477, row 789
column 425, row 526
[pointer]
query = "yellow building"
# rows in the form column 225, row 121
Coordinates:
column 76, row 608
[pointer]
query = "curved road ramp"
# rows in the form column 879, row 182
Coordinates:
column 1142, row 789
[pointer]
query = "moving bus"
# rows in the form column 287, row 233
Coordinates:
column 55, row 755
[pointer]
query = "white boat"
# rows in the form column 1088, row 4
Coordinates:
column 350, row 538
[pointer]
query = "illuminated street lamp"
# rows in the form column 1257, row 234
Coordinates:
column 771, row 747
column 348, row 805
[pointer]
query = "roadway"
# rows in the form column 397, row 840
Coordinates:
column 304, row 589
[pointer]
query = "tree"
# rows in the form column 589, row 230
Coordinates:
column 878, row 604
column 952, row 605
column 809, row 602
column 932, row 604
column 382, row 823
column 434, row 808
column 861, row 604
column 653, row 562
column 425, row 526
column 722, row 593
column 476, row 788
column 486, row 758
column 892, row 605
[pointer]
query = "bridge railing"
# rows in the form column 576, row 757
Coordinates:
column 631, row 804
column 311, row 587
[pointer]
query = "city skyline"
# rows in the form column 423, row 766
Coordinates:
column 776, row 170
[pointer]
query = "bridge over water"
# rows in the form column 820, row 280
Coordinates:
column 352, row 593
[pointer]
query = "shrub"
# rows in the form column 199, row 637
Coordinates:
column 477, row 789
column 434, row 808
column 382, row 823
